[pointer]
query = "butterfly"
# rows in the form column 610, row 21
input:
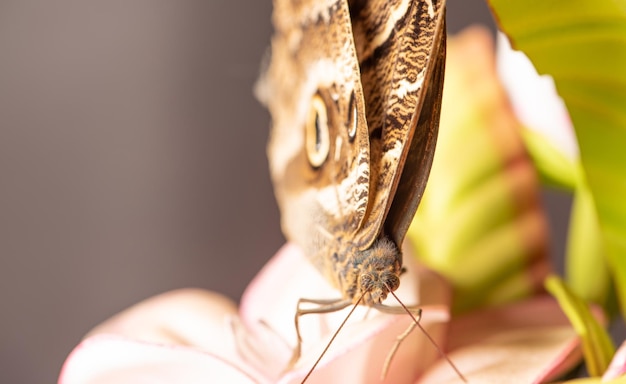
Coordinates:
column 354, row 91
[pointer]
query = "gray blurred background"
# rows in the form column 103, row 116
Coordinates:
column 132, row 162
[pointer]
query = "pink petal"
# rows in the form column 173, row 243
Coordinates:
column 192, row 317
column 617, row 368
column 526, row 342
column 179, row 336
column 273, row 294
column 115, row 359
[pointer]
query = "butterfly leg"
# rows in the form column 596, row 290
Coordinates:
column 324, row 306
column 415, row 312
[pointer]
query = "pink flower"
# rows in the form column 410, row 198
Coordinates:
column 193, row 336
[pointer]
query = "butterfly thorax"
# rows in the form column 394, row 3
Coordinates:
column 375, row 271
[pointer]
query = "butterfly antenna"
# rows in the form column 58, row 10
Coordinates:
column 333, row 338
column 432, row 341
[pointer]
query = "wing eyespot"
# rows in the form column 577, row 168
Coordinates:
column 317, row 137
column 352, row 117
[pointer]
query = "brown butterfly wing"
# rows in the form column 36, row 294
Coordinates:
column 401, row 50
column 420, row 154
column 313, row 64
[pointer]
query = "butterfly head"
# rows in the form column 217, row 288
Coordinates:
column 380, row 271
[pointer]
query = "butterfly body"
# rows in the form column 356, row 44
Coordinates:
column 354, row 91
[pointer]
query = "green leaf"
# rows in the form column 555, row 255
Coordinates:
column 582, row 45
column 555, row 168
column 586, row 269
column 597, row 346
